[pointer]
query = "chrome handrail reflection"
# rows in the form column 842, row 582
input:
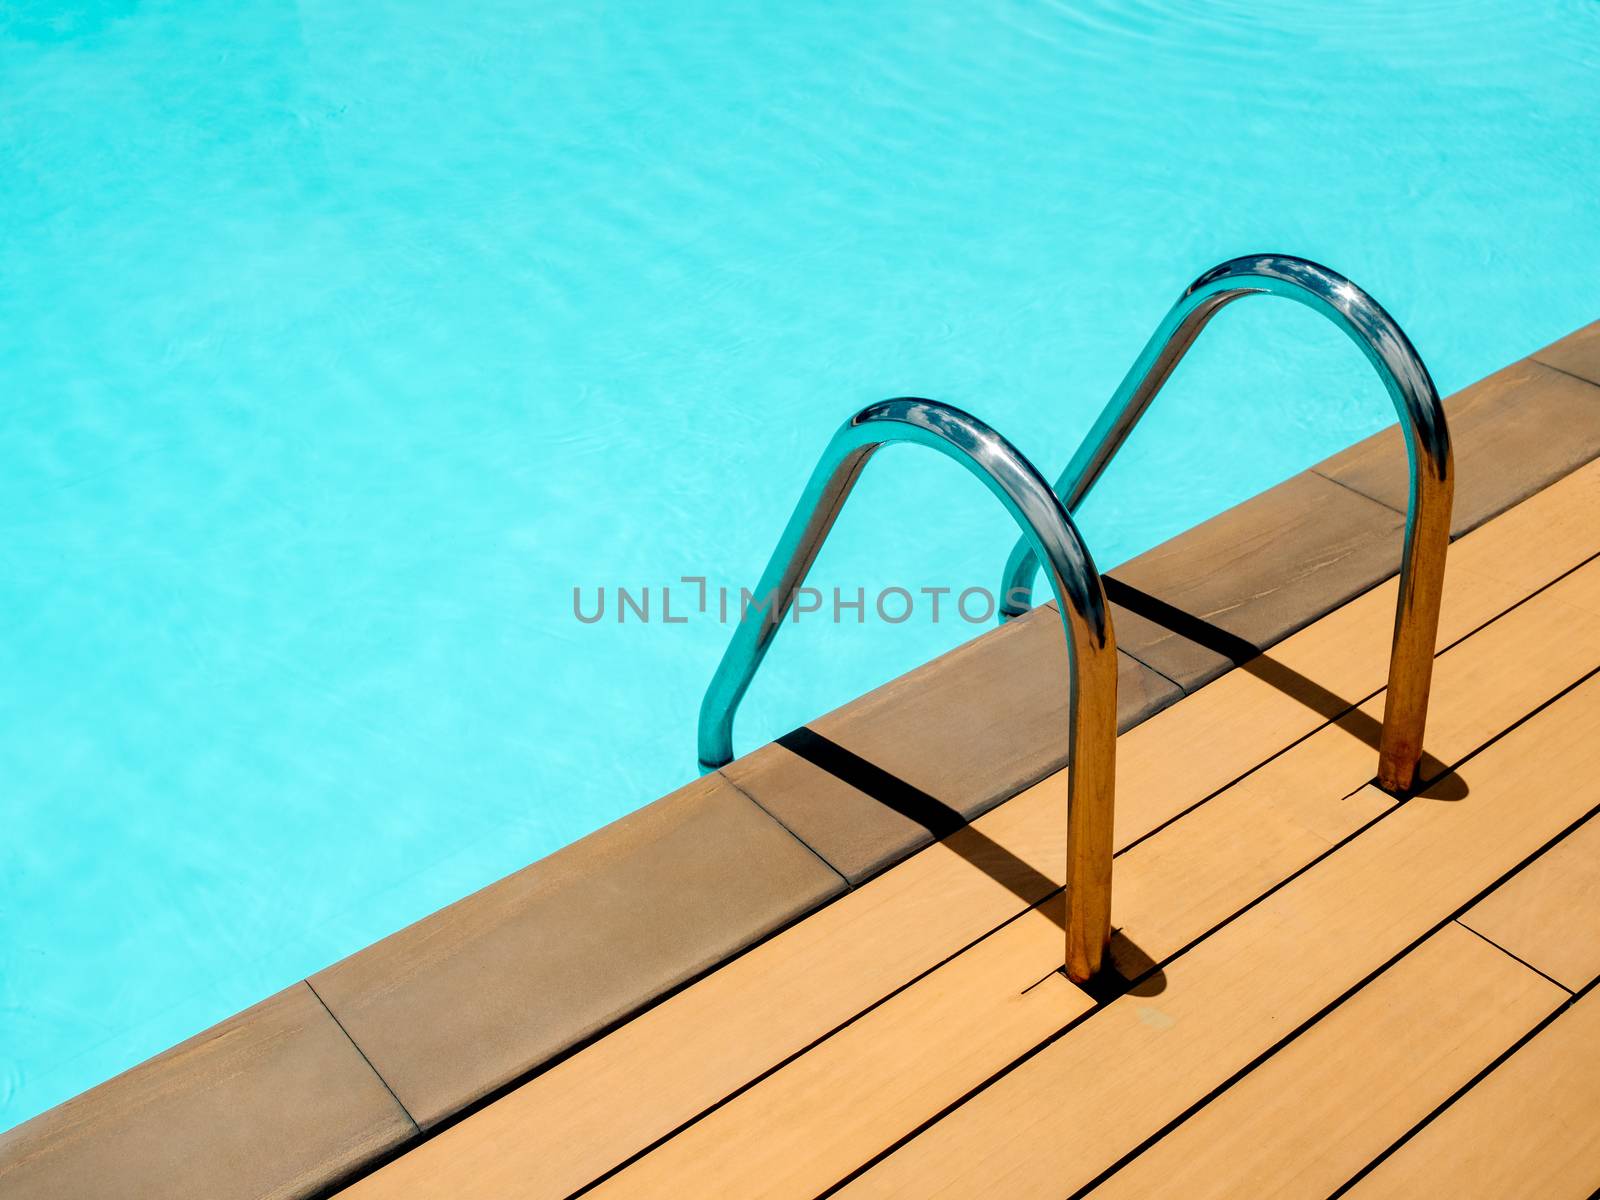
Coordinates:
column 1427, row 437
column 1049, row 532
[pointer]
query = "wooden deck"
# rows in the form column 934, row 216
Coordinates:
column 1331, row 992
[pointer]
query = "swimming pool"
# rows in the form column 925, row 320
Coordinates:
column 341, row 343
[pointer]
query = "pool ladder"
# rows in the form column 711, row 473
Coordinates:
column 1049, row 536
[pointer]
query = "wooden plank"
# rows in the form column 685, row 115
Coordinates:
column 800, row 1130
column 592, row 1111
column 1313, row 1115
column 1532, row 541
column 1052, row 1124
column 1529, row 1129
column 1550, row 638
column 1549, row 915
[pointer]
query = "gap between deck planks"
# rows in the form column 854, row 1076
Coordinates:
column 591, row 1112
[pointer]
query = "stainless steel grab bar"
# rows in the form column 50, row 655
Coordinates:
column 1387, row 348
column 1049, row 532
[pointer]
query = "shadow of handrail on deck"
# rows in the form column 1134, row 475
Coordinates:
column 1243, row 654
column 951, row 828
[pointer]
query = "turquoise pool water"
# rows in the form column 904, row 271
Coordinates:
column 340, row 342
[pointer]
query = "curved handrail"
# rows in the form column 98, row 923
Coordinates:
column 1422, row 419
column 1091, row 644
